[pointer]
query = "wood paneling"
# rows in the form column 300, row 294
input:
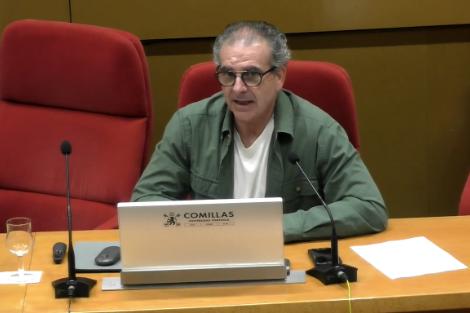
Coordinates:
column 44, row 9
column 152, row 19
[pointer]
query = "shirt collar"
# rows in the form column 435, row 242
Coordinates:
column 283, row 117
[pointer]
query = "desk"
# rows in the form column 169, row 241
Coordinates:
column 373, row 292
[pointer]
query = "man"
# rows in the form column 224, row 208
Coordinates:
column 235, row 144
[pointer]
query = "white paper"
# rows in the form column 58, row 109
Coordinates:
column 409, row 257
column 30, row 277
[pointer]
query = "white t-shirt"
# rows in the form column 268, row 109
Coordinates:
column 251, row 165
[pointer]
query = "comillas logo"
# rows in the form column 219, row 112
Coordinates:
column 211, row 215
column 171, row 219
column 199, row 218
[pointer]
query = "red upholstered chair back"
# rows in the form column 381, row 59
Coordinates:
column 85, row 84
column 325, row 84
column 464, row 206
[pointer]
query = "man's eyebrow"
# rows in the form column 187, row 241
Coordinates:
column 224, row 69
column 253, row 69
column 230, row 69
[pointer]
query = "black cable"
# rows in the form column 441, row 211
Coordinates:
column 70, row 11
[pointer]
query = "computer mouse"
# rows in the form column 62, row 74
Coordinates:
column 58, row 252
column 108, row 256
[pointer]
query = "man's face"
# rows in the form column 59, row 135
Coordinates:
column 251, row 104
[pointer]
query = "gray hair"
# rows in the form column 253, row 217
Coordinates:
column 254, row 31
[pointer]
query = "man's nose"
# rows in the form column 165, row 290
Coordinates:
column 239, row 85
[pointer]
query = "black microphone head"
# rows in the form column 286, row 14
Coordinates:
column 293, row 157
column 66, row 147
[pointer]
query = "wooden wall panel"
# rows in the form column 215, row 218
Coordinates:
column 11, row 10
column 156, row 19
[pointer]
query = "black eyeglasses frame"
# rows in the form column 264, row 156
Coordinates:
column 241, row 75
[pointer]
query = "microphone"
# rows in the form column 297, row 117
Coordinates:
column 66, row 148
column 328, row 266
column 71, row 286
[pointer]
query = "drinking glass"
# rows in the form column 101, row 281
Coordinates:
column 19, row 241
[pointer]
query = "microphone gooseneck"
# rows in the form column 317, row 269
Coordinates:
column 328, row 272
column 66, row 149
column 72, row 286
column 294, row 159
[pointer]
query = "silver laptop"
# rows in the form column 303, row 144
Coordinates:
column 201, row 240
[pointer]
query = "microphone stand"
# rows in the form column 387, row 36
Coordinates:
column 71, row 286
column 328, row 267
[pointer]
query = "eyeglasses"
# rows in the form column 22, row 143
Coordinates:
column 250, row 78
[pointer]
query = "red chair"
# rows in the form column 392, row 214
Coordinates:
column 464, row 205
column 82, row 83
column 325, row 84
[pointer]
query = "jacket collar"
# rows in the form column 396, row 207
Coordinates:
column 284, row 115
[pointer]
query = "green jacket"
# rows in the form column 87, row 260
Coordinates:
column 195, row 157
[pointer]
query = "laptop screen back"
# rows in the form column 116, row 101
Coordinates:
column 195, row 233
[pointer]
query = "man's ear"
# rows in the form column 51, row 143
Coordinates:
column 281, row 73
